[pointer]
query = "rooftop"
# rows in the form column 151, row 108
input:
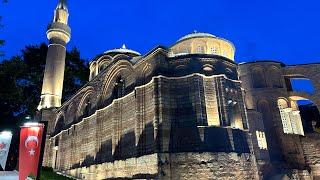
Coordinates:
column 123, row 50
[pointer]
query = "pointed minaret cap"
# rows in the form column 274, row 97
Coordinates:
column 62, row 5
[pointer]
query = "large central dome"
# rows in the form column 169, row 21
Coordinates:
column 196, row 35
column 203, row 43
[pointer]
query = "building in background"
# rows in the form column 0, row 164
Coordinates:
column 188, row 111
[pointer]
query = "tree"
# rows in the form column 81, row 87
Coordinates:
column 21, row 81
column 20, row 88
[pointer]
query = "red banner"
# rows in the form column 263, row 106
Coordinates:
column 29, row 151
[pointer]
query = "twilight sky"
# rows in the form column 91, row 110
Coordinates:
column 283, row 30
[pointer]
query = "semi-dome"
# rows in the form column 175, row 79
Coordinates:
column 123, row 50
column 203, row 43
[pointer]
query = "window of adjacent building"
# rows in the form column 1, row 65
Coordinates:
column 262, row 141
column 291, row 119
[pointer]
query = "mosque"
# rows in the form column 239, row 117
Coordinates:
column 188, row 111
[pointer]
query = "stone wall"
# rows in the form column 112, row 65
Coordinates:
column 141, row 167
column 166, row 115
column 208, row 166
column 311, row 150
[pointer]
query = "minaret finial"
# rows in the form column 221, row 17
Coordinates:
column 62, row 5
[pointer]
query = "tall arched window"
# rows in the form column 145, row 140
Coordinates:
column 235, row 114
column 258, row 78
column 290, row 117
column 276, row 78
column 119, row 88
column 285, row 116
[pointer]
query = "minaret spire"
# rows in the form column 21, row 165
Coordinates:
column 59, row 34
column 62, row 5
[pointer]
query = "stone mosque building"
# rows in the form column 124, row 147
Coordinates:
column 187, row 111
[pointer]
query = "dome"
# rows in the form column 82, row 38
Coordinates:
column 203, row 43
column 196, row 34
column 122, row 50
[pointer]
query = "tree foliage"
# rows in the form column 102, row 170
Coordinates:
column 21, row 81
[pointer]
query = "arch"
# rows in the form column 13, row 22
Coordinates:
column 276, row 77
column 290, row 118
column 294, row 105
column 103, row 64
column 93, row 69
column 121, row 57
column 115, row 71
column 263, row 106
column 104, row 57
column 258, row 77
column 85, row 104
column 60, row 122
column 235, row 115
column 146, row 72
column 282, row 103
column 71, row 113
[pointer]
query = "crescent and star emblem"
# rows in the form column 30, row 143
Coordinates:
column 31, row 143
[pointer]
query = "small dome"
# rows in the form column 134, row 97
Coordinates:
column 202, row 43
column 196, row 34
column 122, row 50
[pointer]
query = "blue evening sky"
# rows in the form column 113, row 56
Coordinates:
column 283, row 30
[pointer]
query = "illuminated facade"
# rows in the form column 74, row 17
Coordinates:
column 188, row 111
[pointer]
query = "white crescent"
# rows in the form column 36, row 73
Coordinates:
column 31, row 138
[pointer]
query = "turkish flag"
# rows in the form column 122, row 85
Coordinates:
column 29, row 151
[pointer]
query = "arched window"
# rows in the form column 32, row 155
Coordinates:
column 276, row 78
column 87, row 108
column 200, row 49
column 258, row 78
column 214, row 50
column 285, row 116
column 119, row 88
column 102, row 67
column 290, row 117
column 235, row 114
column 59, row 125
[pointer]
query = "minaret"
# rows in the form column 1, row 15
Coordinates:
column 59, row 35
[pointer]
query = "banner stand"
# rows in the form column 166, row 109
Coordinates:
column 31, row 149
column 44, row 137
